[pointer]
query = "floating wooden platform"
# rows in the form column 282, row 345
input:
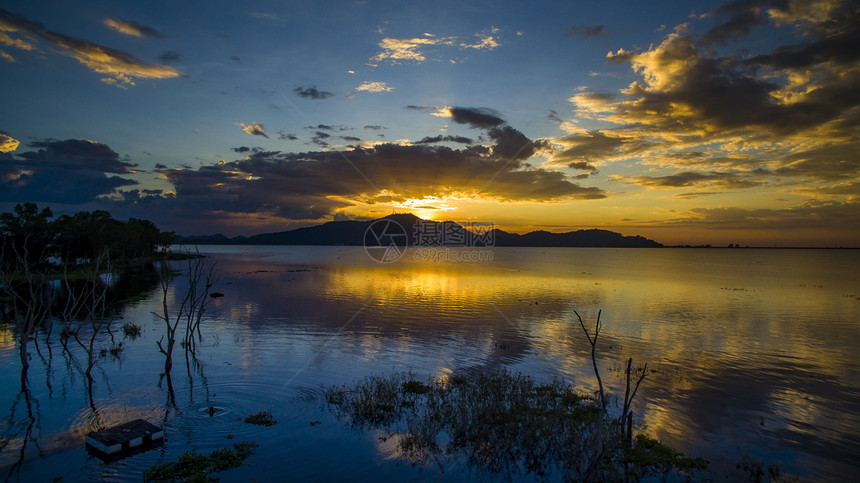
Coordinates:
column 124, row 438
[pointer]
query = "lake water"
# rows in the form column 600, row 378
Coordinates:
column 753, row 351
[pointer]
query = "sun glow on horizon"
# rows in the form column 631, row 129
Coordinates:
column 426, row 208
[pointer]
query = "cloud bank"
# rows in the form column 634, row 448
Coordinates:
column 738, row 120
column 69, row 171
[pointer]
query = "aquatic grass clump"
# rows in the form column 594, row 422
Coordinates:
column 377, row 400
column 115, row 351
column 131, row 330
column 415, row 387
column 197, row 467
column 263, row 418
column 504, row 422
column 648, row 456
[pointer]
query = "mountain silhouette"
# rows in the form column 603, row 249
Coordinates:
column 423, row 231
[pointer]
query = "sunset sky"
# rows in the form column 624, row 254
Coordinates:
column 689, row 122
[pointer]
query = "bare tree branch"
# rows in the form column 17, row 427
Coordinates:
column 593, row 342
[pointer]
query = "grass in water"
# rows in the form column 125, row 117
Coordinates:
column 263, row 418
column 506, row 423
column 130, row 330
column 193, row 467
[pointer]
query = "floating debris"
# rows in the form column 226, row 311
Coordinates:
column 123, row 439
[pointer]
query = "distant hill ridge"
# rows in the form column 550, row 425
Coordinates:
column 353, row 232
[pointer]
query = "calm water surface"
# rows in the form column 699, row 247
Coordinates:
column 754, row 352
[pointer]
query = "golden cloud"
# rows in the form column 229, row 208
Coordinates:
column 789, row 112
column 485, row 41
column 395, row 50
column 17, row 43
column 134, row 29
column 374, row 87
column 254, row 129
column 121, row 68
column 7, row 143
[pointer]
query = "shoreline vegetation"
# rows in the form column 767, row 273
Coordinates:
column 79, row 239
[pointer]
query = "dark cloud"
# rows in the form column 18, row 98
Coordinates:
column 243, row 149
column 511, row 144
column 285, row 136
column 552, row 115
column 351, row 139
column 830, row 162
column 714, row 91
column 324, row 127
column 78, row 154
column 479, row 117
column 596, row 146
column 743, row 16
column 160, row 166
column 692, row 178
column 695, row 194
column 311, row 92
column 832, row 42
column 440, row 138
column 849, row 188
column 70, row 171
column 120, row 68
column 583, row 166
column 420, row 108
column 374, row 128
column 810, row 215
column 320, row 137
column 170, row 57
column 587, row 31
